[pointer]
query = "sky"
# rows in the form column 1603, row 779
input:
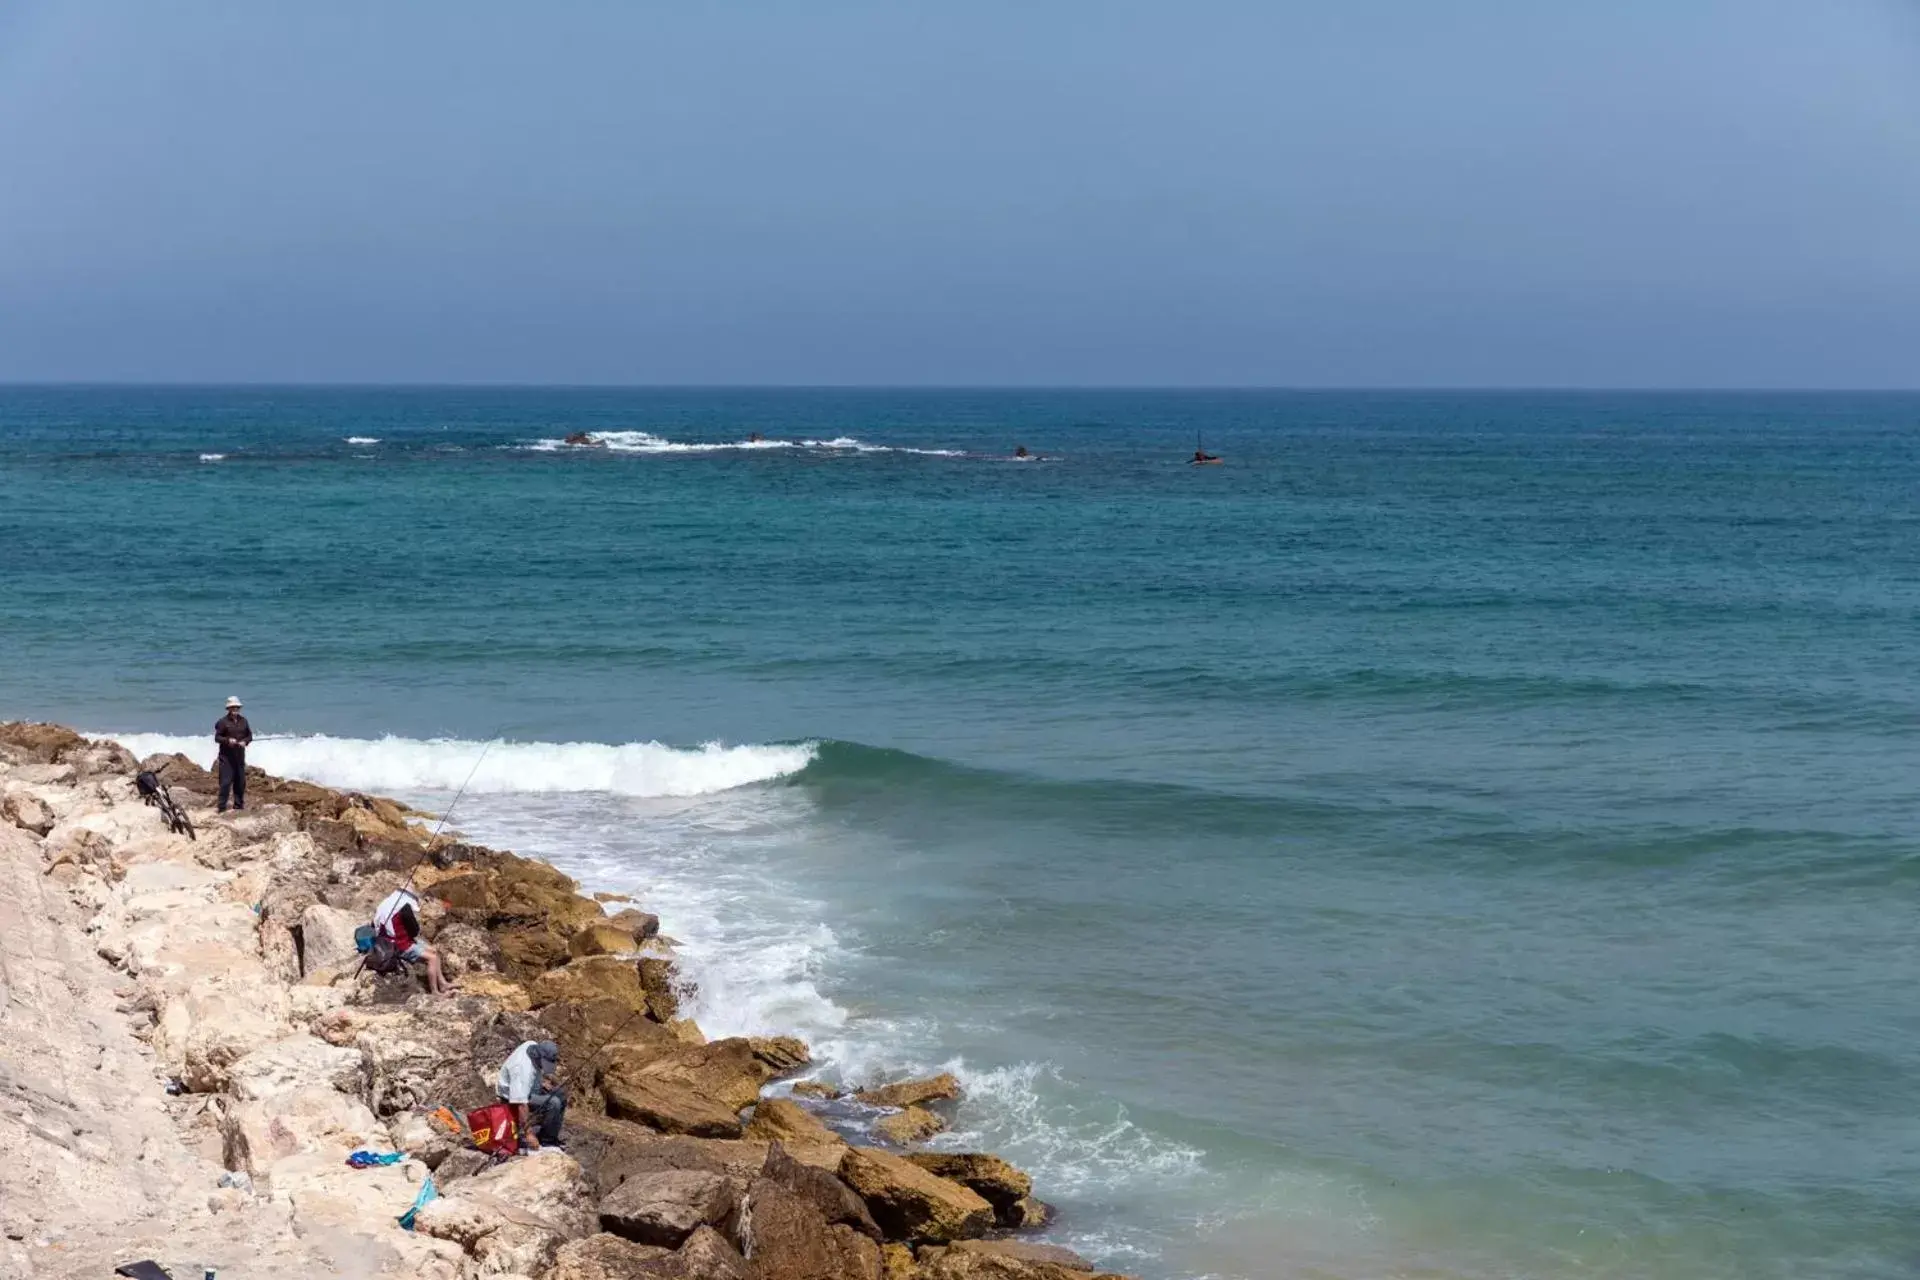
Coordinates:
column 1348, row 193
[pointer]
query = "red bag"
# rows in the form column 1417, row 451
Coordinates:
column 492, row 1129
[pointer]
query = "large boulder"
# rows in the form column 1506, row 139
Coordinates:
column 782, row 1055
column 707, row 1255
column 802, row 1224
column 798, row 1130
column 611, row 1150
column 514, row 1217
column 913, row 1093
column 591, row 978
column 660, row 980
column 27, row 811
column 683, row 1088
column 181, row 774
column 993, row 1179
column 297, row 1062
column 602, row 1257
column 914, row 1124
column 41, row 743
column 665, row 1207
column 260, row 1136
column 429, row 1051
column 640, row 924
column 465, row 949
column 601, row 940
column 911, row 1204
column 585, row 1028
column 326, row 939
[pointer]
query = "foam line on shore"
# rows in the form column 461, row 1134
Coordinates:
column 639, row 769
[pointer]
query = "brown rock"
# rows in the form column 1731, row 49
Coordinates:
column 798, row 1130
column 602, row 1257
column 641, row 924
column 687, row 1031
column 40, row 743
column 612, row 1150
column 896, row 1262
column 1028, row 1213
column 990, row 1177
column 585, row 1029
column 914, row 1124
column 706, row 1255
column 660, row 980
column 912, row 1093
column 795, row 1230
column 663, row 1208
column 510, row 996
column 1004, row 1260
column 591, row 978
column 528, row 952
column 911, row 1204
column 181, row 774
column 466, row 948
column 781, row 1054
column 601, row 940
column 682, row 1088
column 818, row 1089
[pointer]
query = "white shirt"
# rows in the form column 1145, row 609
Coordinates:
column 520, row 1078
column 390, row 907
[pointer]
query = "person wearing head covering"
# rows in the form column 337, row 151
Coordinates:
column 527, row 1085
column 232, row 733
column 397, row 919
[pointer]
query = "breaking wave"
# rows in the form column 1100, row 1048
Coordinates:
column 647, row 442
column 642, row 769
column 363, row 439
column 213, row 457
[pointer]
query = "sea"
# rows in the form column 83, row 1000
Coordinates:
column 1458, row 836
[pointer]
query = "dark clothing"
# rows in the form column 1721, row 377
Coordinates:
column 545, row 1111
column 233, row 778
column 232, row 733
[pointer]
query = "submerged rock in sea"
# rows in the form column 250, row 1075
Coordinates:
column 913, row 1124
column 912, row 1093
column 990, row 1177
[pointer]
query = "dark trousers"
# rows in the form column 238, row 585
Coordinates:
column 545, row 1111
column 233, row 778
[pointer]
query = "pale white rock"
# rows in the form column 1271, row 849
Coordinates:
column 326, row 938
column 297, row 1062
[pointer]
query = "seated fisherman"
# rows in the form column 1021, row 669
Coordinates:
column 398, row 919
column 527, row 1085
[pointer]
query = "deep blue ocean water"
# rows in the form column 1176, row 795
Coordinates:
column 1460, row 836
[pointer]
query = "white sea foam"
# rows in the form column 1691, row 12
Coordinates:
column 647, row 442
column 363, row 439
column 213, row 457
column 641, row 769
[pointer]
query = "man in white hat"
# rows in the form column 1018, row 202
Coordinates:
column 232, row 733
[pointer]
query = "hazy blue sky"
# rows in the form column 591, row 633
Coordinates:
column 1271, row 192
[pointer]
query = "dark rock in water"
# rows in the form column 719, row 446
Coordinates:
column 906, row 1127
column 912, row 1093
column 582, row 438
column 818, row 1089
column 781, row 1054
column 641, row 924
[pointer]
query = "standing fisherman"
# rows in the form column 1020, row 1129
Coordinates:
column 232, row 733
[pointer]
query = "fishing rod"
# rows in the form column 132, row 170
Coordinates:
column 570, row 1076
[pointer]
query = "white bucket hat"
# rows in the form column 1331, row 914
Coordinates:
column 233, row 702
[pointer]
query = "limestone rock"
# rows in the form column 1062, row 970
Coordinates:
column 912, row 1093
column 25, row 810
column 682, row 1088
column 297, row 1062
column 896, row 1262
column 804, row 1224
column 706, row 1255
column 584, row 1028
column 911, row 1204
column 612, row 1150
column 914, row 1124
column 1005, row 1260
column 591, row 978
column 491, row 986
column 601, row 940
column 514, row 1217
column 640, row 924
column 465, row 949
column 799, row 1131
column 781, row 1054
column 602, row 1257
column 260, row 1136
column 44, row 743
column 661, row 983
column 993, row 1179
column 818, row 1089
column 326, row 939
column 1028, row 1213
column 665, row 1207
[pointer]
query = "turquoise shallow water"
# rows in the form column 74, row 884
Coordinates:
column 1462, row 836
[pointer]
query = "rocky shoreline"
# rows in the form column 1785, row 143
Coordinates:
column 189, row 1052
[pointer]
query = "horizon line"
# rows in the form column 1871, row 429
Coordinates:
column 1268, row 388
